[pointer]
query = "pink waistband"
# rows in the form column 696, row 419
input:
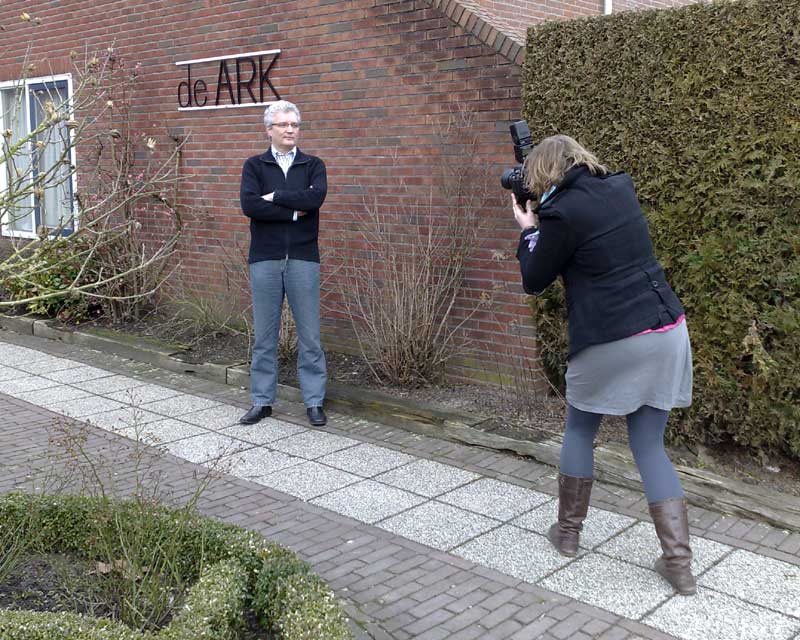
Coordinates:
column 667, row 327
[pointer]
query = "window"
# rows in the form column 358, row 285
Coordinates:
column 41, row 165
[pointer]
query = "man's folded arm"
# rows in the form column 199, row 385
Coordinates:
column 308, row 199
column 254, row 206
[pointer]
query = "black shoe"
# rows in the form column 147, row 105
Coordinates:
column 256, row 414
column 316, row 416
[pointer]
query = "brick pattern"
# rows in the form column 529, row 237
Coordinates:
column 380, row 85
column 390, row 587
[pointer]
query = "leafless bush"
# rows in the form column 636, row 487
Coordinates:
column 96, row 249
column 402, row 296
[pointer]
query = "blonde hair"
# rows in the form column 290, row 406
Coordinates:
column 550, row 160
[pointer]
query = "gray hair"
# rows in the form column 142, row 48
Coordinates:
column 281, row 106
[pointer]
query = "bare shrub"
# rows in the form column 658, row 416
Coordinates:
column 130, row 185
column 138, row 561
column 402, row 295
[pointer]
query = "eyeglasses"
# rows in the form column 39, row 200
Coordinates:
column 286, row 125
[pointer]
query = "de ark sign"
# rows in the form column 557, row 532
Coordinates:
column 226, row 82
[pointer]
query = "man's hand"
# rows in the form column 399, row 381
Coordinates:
column 526, row 218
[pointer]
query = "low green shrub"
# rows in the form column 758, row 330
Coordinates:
column 229, row 568
column 30, row 625
column 214, row 608
column 55, row 266
column 303, row 607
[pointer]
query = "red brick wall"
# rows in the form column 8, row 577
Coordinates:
column 374, row 80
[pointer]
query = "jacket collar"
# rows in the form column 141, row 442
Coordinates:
column 566, row 182
column 299, row 157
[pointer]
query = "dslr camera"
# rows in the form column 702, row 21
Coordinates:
column 514, row 179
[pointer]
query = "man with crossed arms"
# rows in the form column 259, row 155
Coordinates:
column 281, row 192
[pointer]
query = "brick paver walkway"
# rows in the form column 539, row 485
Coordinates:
column 418, row 537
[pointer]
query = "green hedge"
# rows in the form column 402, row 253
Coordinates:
column 230, row 568
column 701, row 105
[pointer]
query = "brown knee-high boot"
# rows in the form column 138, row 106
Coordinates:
column 672, row 527
column 573, row 505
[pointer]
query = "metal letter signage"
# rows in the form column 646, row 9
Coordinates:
column 241, row 81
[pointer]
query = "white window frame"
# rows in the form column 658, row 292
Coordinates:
column 5, row 229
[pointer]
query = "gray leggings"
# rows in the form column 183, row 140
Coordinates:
column 646, row 428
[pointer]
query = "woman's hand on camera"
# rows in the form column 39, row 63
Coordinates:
column 525, row 218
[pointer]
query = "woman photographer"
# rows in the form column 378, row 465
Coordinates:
column 629, row 351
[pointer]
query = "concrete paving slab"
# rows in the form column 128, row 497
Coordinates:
column 208, row 448
column 514, row 551
column 258, row 462
column 24, row 382
column 639, row 545
column 215, row 417
column 12, row 355
column 366, row 460
column 427, row 478
column 123, row 418
column 143, row 394
column 438, row 525
column 496, row 499
column 312, row 444
column 51, row 395
column 598, row 527
column 308, row 480
column 48, row 364
column 103, row 386
column 268, row 430
column 368, row 501
column 178, row 406
column 83, row 407
column 162, row 431
column 77, row 374
column 770, row 583
column 9, row 373
column 710, row 615
column 619, row 587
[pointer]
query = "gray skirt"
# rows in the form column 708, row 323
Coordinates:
column 616, row 378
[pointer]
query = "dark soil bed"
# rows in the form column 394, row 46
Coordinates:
column 513, row 412
column 66, row 583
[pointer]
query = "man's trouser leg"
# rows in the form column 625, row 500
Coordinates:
column 266, row 284
column 301, row 280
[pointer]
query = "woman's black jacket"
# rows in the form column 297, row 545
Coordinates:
column 593, row 234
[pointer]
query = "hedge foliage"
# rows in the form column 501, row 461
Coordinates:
column 701, row 105
column 230, row 568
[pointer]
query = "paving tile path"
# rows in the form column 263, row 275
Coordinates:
column 419, row 538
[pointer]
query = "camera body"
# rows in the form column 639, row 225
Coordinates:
column 514, row 179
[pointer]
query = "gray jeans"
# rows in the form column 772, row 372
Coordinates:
column 270, row 280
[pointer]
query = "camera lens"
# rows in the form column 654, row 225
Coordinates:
column 507, row 179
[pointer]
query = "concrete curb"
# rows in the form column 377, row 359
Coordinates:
column 613, row 464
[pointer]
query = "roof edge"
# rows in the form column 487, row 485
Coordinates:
column 490, row 30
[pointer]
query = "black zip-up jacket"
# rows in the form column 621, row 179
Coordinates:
column 592, row 233
column 273, row 234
